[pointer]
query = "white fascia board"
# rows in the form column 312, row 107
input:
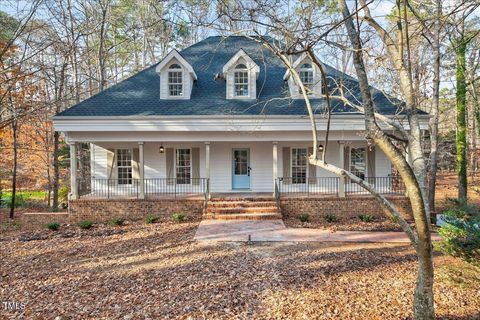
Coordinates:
column 212, row 123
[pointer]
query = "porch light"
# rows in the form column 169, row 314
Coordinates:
column 320, row 148
column 161, row 149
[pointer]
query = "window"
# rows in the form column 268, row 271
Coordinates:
column 306, row 76
column 299, row 165
column 124, row 166
column 183, row 166
column 357, row 162
column 241, row 81
column 175, row 81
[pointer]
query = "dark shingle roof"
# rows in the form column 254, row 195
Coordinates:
column 139, row 95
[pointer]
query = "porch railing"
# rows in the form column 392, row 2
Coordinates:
column 330, row 186
column 319, row 185
column 156, row 187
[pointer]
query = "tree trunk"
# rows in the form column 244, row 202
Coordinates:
column 434, row 112
column 14, row 171
column 423, row 306
column 461, row 136
column 56, row 170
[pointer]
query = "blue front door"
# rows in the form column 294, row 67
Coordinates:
column 241, row 169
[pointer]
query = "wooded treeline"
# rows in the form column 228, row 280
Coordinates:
column 56, row 53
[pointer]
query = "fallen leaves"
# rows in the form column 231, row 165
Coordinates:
column 157, row 272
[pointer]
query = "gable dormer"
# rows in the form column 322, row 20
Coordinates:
column 176, row 77
column 241, row 74
column 310, row 76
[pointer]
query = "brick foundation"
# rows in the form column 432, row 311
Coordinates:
column 102, row 210
column 342, row 208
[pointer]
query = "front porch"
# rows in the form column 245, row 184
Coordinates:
column 202, row 170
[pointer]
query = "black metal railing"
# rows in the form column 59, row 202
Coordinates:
column 384, row 185
column 111, row 188
column 330, row 186
column 174, row 186
column 319, row 185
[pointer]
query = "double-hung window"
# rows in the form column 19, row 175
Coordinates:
column 358, row 162
column 306, row 76
column 241, row 81
column 183, row 166
column 124, row 166
column 299, row 165
column 175, row 81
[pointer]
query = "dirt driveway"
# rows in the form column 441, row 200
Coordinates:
column 157, row 271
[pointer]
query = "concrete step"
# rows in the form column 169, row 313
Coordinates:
column 244, row 216
column 220, row 210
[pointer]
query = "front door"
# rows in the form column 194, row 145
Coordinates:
column 241, row 169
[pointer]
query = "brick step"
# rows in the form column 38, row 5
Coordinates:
column 244, row 216
column 241, row 199
column 245, row 204
column 220, row 210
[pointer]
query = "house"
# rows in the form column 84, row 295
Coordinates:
column 222, row 116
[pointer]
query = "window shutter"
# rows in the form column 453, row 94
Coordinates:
column 371, row 162
column 195, row 166
column 346, row 161
column 286, row 165
column 135, row 164
column 111, row 164
column 169, row 161
column 312, row 169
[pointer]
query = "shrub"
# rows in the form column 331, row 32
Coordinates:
column 178, row 217
column 87, row 224
column 304, row 217
column 151, row 219
column 63, row 193
column 366, row 217
column 330, row 218
column 393, row 218
column 117, row 221
column 461, row 233
column 53, row 226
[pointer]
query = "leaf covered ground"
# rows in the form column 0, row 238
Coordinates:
column 157, row 272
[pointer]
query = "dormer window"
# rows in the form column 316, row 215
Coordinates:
column 306, row 76
column 241, row 81
column 175, row 80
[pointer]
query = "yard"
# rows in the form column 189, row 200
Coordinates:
column 156, row 271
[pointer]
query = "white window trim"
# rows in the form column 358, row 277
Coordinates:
column 291, row 166
column 366, row 158
column 235, row 96
column 169, row 69
column 312, row 85
column 117, row 167
column 175, row 166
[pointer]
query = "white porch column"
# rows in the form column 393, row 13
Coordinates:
column 141, row 170
column 341, row 182
column 275, row 165
column 207, row 167
column 73, row 171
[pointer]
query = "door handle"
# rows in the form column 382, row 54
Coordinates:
column 248, row 171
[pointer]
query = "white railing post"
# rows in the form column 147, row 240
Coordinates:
column 275, row 166
column 341, row 181
column 141, row 170
column 73, row 171
column 207, row 167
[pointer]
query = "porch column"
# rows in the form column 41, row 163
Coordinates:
column 141, row 170
column 207, row 166
column 73, row 171
column 341, row 182
column 275, row 166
